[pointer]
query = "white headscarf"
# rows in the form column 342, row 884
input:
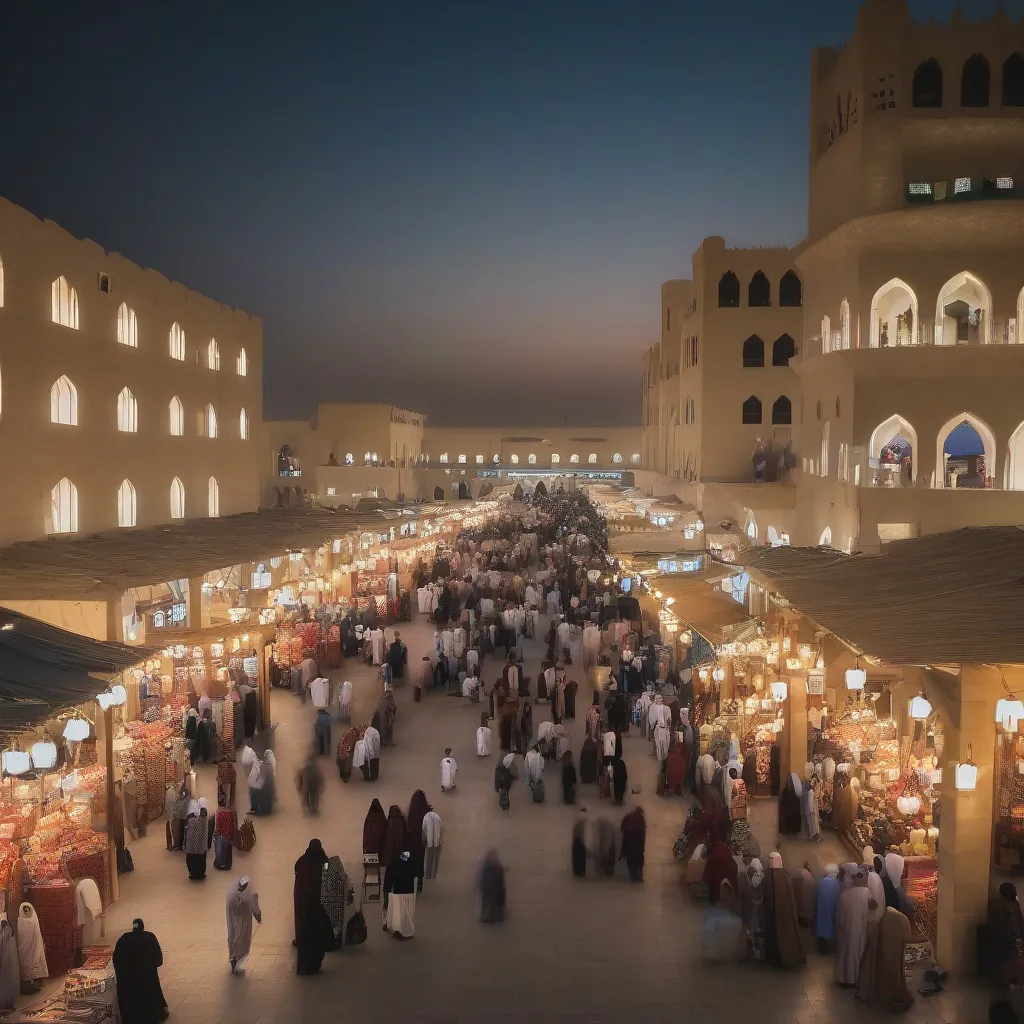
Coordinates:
column 31, row 951
column 832, row 870
column 797, row 784
column 775, row 860
column 894, row 868
column 755, row 872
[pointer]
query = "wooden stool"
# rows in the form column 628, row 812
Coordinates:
column 371, row 877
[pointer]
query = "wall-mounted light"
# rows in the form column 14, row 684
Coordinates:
column 780, row 690
column 920, row 708
column 967, row 773
column 1009, row 711
column 718, row 674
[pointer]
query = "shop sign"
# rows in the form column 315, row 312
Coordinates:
column 251, row 666
column 816, row 683
column 261, row 580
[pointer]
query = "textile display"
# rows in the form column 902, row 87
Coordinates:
column 54, row 903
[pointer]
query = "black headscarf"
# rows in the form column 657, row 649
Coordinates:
column 137, row 958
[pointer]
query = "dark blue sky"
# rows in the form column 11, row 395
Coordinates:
column 467, row 208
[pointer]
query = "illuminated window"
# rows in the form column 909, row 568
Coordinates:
column 532, row 460
column 617, row 458
column 634, row 459
column 496, row 459
column 556, row 459
column 444, row 458
column 63, row 306
column 592, row 459
column 213, row 498
column 514, row 460
column 213, row 355
column 920, row 188
column 127, row 326
column 243, row 429
column 210, row 420
column 961, row 185
column 1000, row 183
column 127, row 412
column 64, row 507
column 479, row 460
column 242, row 366
column 349, row 459
column 177, row 499
column 126, row 504
column 176, row 414
column 366, row 458
column 64, row 402
column 574, row 459
column 462, row 460
column 177, row 340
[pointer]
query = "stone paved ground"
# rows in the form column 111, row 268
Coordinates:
column 572, row 949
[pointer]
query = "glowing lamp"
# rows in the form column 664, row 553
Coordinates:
column 718, row 674
column 1009, row 711
column 787, row 643
column 967, row 773
column 703, row 675
column 793, row 664
column 118, row 695
column 76, row 729
column 920, row 708
column 44, row 755
column 15, row 762
column 105, row 700
column 669, row 601
column 657, row 594
column 908, row 806
column 780, row 691
column 856, row 678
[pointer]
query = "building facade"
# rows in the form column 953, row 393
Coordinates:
column 126, row 400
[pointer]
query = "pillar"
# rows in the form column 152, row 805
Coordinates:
column 965, row 828
column 794, row 749
column 195, row 602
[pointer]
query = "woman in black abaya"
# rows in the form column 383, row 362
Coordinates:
column 137, row 959
column 313, row 933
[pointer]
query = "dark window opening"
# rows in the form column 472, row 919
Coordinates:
column 928, row 84
column 753, row 352
column 790, row 291
column 729, row 290
column 783, row 350
column 1013, row 81
column 759, row 291
column 752, row 410
column 974, row 82
column 782, row 412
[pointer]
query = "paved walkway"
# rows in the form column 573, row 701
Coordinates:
column 594, row 949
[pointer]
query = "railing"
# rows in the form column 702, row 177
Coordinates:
column 929, row 332
column 857, row 467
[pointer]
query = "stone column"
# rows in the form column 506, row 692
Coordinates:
column 195, row 603
column 965, row 828
column 794, row 750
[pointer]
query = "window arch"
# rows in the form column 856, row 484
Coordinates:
column 927, row 87
column 127, row 326
column 790, row 290
column 963, row 311
column 64, row 402
column 213, row 498
column 974, row 82
column 894, row 319
column 367, row 458
column 825, row 540
column 177, row 499
column 443, row 458
column 210, row 420
column 1013, row 95
column 177, row 342
column 897, row 435
column 63, row 304
column 728, row 290
column 213, row 355
column 759, row 291
column 971, row 436
column 176, row 417
column 242, row 364
column 514, row 460
column 574, row 459
column 617, row 458
column 753, row 351
column 496, row 459
column 127, row 412
column 64, row 507
column 555, row 458
column 782, row 411
column 532, row 460
column 349, row 457
column 243, row 431
column 634, row 459
column 752, row 410
column 844, row 325
column 783, row 349
column 126, row 504
column 592, row 459
column 462, row 460
column 479, row 460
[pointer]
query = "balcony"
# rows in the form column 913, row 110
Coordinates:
column 929, row 332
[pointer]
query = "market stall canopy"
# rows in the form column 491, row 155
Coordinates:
column 706, row 610
column 43, row 668
column 100, row 565
column 663, row 542
column 949, row 598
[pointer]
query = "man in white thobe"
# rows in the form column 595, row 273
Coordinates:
column 448, row 771
column 345, row 702
column 372, row 740
column 359, row 759
column 432, row 833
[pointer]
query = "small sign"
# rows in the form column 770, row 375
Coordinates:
column 816, row 683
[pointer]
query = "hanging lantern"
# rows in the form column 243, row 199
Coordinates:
column 15, row 762
column 920, row 708
column 1009, row 711
column 908, row 806
column 805, row 651
column 856, row 678
column 793, row 664
column 76, row 730
column 44, row 755
column 780, row 690
column 105, row 700
column 718, row 674
column 787, row 643
column 967, row 773
column 119, row 694
column 703, row 673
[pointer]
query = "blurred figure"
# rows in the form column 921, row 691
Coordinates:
column 634, row 840
column 483, row 737
column 492, row 889
column 449, row 769
column 568, row 778
column 579, row 849
column 310, row 782
column 603, row 850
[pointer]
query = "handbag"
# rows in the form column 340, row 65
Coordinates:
column 245, row 838
column 355, row 930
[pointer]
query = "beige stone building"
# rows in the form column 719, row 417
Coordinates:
column 127, row 399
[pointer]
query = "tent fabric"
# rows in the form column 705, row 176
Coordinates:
column 946, row 598
column 706, row 610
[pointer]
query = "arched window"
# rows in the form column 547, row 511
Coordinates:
column 64, row 507
column 176, row 416
column 242, row 365
column 126, row 504
column 213, row 355
column 634, row 459
column 844, row 325
column 790, row 290
column 63, row 304
column 826, row 435
column 783, row 349
column 444, row 458
column 349, row 459
column 592, row 459
column 825, row 540
column 532, row 460
column 177, row 342
column 177, row 499
column 894, row 319
column 974, row 82
column 782, row 412
column 496, row 460
column 928, row 84
column 514, row 460
column 479, row 460
column 243, row 432
column 965, row 452
column 127, row 412
column 127, row 326
column 462, row 460
column 574, row 459
column 752, row 410
column 729, row 290
column 210, row 421
column 753, row 351
column 64, row 402
column 555, row 459
column 367, row 458
column 759, row 291
column 617, row 458
column 963, row 311
column 213, row 498
column 1013, row 96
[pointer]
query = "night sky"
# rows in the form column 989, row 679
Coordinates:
column 465, row 208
